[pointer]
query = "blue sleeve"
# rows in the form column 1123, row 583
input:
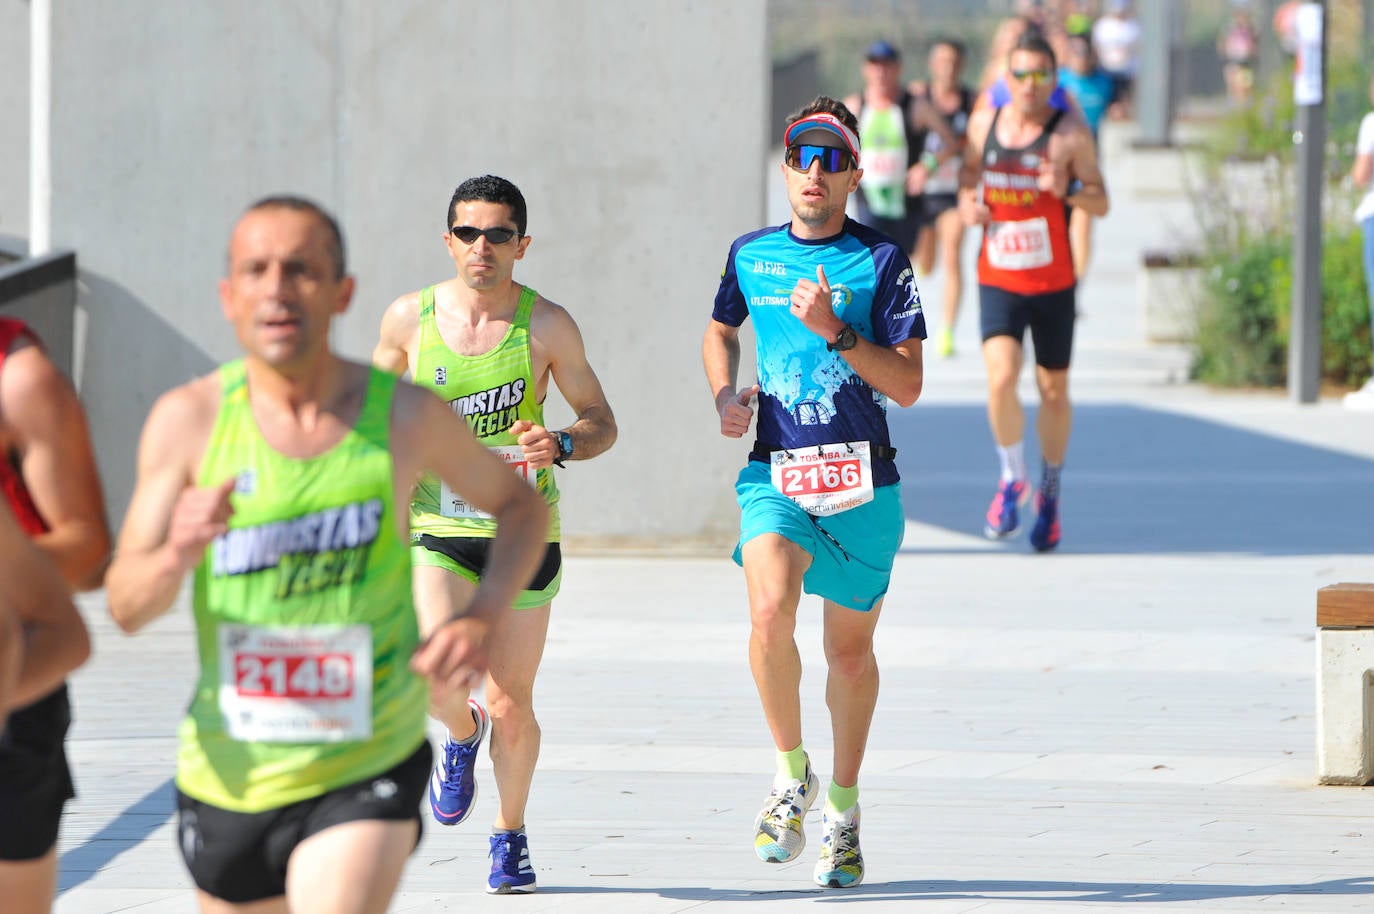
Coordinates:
column 897, row 315
column 730, row 308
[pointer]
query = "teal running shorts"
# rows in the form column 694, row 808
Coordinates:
column 851, row 552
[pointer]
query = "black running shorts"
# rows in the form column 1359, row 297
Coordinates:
column 35, row 782
column 1049, row 315
column 240, row 857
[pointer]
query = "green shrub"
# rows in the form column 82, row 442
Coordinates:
column 1237, row 342
column 1245, row 213
column 1243, row 320
column 1346, row 344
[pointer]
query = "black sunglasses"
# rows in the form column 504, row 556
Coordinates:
column 832, row 160
column 469, row 235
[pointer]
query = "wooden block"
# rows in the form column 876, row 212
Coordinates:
column 1345, row 606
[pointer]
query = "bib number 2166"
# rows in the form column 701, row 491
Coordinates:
column 825, row 479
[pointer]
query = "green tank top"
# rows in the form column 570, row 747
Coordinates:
column 884, row 160
column 304, row 618
column 490, row 391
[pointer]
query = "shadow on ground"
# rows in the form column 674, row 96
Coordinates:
column 124, row 832
column 999, row 890
column 1145, row 481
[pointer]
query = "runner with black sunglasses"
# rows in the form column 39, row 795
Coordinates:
column 489, row 346
column 838, row 326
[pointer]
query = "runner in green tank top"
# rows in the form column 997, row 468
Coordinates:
column 278, row 479
column 893, row 124
column 488, row 347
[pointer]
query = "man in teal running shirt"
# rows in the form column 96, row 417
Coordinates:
column 838, row 325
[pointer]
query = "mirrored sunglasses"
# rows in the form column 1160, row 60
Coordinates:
column 832, row 160
column 1039, row 77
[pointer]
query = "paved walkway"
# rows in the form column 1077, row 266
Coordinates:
column 1126, row 724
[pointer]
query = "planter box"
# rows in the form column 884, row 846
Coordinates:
column 1168, row 289
column 1163, row 170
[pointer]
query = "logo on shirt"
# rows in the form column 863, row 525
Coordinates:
column 440, row 376
column 907, row 281
column 491, row 411
column 840, row 297
column 772, row 301
column 770, row 268
column 311, row 553
column 246, row 483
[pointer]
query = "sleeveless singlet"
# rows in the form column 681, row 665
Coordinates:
column 304, row 618
column 490, row 391
column 1025, row 247
column 890, row 146
column 11, row 482
column 945, row 178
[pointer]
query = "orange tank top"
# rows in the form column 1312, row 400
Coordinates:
column 11, row 483
column 1025, row 246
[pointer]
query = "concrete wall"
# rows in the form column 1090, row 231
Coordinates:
column 14, row 118
column 42, row 292
column 633, row 129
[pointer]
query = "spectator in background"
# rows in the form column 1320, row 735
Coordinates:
column 1116, row 41
column 1238, row 47
column 1361, row 173
column 1286, row 26
column 1091, row 87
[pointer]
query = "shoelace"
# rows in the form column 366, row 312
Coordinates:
column 503, row 847
column 841, row 842
column 784, row 806
column 456, row 764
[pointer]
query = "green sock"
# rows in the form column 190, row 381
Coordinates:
column 841, row 798
column 792, row 765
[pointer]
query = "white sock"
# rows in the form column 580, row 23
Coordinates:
column 1013, row 458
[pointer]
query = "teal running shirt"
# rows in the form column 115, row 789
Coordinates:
column 809, row 395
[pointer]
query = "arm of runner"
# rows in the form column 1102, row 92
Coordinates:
column 928, row 117
column 1090, row 194
column 54, row 639
column 971, row 207
column 892, row 370
column 57, row 463
column 594, row 431
column 396, row 339
column 720, row 356
column 428, row 436
column 170, row 521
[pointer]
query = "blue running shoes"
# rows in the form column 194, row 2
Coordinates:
column 1002, row 520
column 1045, row 534
column 511, row 873
column 453, row 786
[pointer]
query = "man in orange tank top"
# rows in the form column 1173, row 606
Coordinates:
column 49, row 484
column 1025, row 166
